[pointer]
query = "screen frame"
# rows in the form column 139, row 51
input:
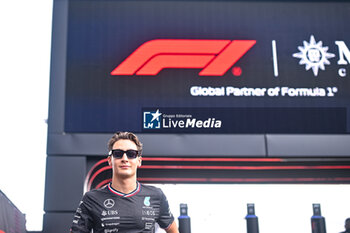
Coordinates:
column 195, row 145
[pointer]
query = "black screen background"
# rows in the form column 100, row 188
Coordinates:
column 101, row 34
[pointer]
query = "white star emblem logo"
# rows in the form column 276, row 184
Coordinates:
column 156, row 115
column 313, row 55
column 108, row 203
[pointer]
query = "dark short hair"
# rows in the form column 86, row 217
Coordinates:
column 124, row 136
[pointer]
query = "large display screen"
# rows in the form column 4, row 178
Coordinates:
column 208, row 67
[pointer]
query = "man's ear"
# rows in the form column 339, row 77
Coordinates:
column 109, row 159
column 140, row 162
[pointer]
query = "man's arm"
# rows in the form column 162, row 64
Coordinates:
column 172, row 228
column 82, row 221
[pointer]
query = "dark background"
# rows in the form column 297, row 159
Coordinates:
column 101, row 34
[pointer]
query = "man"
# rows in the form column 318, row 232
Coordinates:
column 124, row 205
column 347, row 226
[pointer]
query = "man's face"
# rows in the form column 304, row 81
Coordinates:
column 124, row 167
column 347, row 225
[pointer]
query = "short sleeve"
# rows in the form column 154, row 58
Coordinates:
column 82, row 221
column 166, row 218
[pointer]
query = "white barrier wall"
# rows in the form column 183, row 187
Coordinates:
column 280, row 208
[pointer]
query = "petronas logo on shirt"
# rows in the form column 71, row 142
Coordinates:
column 147, row 201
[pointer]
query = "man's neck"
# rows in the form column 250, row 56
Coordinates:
column 124, row 185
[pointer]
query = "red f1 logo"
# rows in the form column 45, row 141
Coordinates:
column 214, row 56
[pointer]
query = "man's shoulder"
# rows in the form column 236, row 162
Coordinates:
column 96, row 192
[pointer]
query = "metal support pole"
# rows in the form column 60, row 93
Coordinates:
column 184, row 220
column 252, row 220
column 318, row 223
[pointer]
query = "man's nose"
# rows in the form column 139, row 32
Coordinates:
column 125, row 157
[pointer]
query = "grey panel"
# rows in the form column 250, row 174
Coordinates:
column 163, row 145
column 64, row 182
column 58, row 66
column 77, row 144
column 308, row 145
column 204, row 145
column 57, row 222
